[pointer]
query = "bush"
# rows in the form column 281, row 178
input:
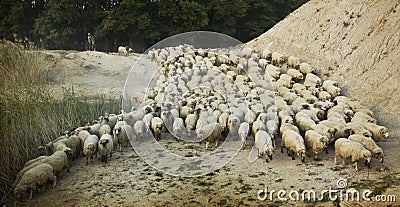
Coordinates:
column 30, row 116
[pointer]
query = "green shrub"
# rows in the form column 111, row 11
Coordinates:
column 30, row 117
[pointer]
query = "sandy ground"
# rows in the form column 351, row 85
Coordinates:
column 129, row 181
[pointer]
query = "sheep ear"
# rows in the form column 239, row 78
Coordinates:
column 321, row 139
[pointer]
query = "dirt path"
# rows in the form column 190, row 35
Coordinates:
column 128, row 181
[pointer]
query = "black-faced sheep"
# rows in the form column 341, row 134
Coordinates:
column 105, row 147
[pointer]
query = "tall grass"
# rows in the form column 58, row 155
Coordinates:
column 30, row 116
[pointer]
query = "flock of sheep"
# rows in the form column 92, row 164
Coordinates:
column 209, row 94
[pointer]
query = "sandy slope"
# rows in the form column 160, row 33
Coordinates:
column 356, row 43
column 365, row 46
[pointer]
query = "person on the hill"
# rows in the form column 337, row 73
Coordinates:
column 90, row 42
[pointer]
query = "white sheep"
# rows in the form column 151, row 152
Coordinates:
column 306, row 68
column 272, row 71
column 357, row 128
column 60, row 145
column 327, row 131
column 211, row 133
column 257, row 126
column 354, row 105
column 233, row 124
column 285, row 117
column 147, row 119
column 243, row 131
column 57, row 160
column 287, row 126
column 363, row 117
column 294, row 142
column 293, row 62
column 378, row 132
column 263, row 143
column 185, row 111
column 315, row 142
column 313, row 78
column 94, row 129
column 156, row 126
column 105, row 147
column 178, row 128
column 90, row 147
column 132, row 117
column 295, row 74
column 345, row 148
column 83, row 135
column 304, row 122
column 327, row 83
column 342, row 130
column 191, row 121
column 266, row 54
column 33, row 178
column 277, row 58
column 122, row 50
column 104, row 129
column 121, row 134
column 223, row 121
column 369, row 144
column 332, row 90
column 323, row 96
column 168, row 119
column 250, row 117
column 273, row 129
column 74, row 142
column 140, row 130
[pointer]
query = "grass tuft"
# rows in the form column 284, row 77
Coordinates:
column 30, row 116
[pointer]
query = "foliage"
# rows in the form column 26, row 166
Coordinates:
column 64, row 24
column 30, row 117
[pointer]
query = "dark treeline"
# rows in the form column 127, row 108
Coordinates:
column 64, row 24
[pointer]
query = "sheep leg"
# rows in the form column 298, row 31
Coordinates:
column 87, row 160
column 355, row 165
column 54, row 181
column 326, row 150
column 281, row 149
column 31, row 194
column 316, row 157
column 216, row 144
column 207, row 144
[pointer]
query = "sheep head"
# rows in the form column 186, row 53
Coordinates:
column 367, row 157
column 302, row 154
column 384, row 131
column 103, row 142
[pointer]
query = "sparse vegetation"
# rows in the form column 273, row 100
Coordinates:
column 30, row 116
